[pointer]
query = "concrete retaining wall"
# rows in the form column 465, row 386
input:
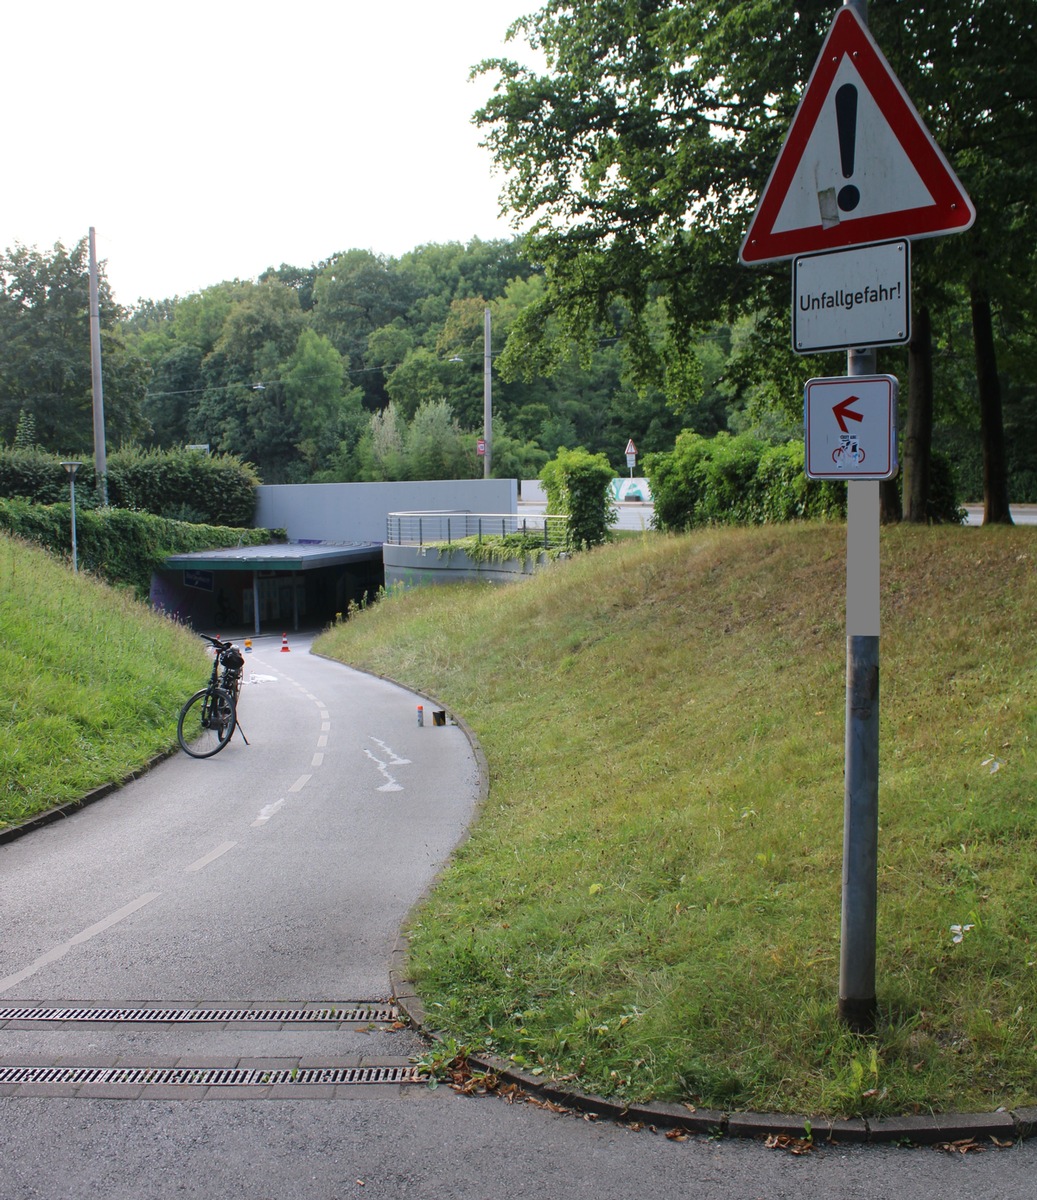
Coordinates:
column 410, row 566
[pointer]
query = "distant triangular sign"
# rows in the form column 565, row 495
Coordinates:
column 858, row 165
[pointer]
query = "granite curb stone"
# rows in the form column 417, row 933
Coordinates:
column 12, row 832
column 918, row 1129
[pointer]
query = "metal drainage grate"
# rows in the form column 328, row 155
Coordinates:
column 209, row 1077
column 356, row 1014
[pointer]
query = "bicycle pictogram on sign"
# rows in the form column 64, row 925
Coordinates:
column 849, row 452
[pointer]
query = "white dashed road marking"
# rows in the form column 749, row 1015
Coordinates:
column 85, row 935
column 219, row 852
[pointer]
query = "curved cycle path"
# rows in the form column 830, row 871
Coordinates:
column 237, row 918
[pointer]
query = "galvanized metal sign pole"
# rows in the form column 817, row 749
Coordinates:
column 857, row 991
column 858, row 169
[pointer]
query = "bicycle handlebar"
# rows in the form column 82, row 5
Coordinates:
column 217, row 644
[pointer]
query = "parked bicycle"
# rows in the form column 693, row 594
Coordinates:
column 208, row 720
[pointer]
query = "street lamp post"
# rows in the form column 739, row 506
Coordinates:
column 72, row 468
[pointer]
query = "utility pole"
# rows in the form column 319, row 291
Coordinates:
column 487, row 394
column 100, row 456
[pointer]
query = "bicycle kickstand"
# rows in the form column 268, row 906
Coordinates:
column 242, row 732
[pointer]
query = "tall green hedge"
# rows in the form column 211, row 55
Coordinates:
column 577, row 484
column 34, row 475
column 729, row 480
column 120, row 546
column 183, row 485
column 740, row 480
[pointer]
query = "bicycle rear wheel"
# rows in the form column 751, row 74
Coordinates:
column 206, row 722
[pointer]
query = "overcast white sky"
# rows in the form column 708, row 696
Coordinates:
column 209, row 139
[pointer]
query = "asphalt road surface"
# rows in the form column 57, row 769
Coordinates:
column 273, row 878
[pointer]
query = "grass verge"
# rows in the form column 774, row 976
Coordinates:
column 649, row 902
column 92, row 682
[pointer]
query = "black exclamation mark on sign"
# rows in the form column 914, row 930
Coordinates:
column 846, row 123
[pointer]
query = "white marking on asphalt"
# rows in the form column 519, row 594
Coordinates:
column 266, row 813
column 211, row 856
column 85, row 935
column 254, row 678
column 322, row 740
column 325, row 715
column 325, row 727
column 394, row 758
column 317, row 759
column 390, row 784
column 300, row 783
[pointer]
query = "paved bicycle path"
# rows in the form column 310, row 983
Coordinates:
column 277, row 875
column 274, row 875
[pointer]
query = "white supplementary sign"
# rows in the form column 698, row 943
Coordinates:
column 859, row 297
column 851, row 427
column 858, row 165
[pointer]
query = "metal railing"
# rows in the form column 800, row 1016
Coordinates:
column 439, row 528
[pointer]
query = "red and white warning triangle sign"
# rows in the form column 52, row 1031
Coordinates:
column 858, row 165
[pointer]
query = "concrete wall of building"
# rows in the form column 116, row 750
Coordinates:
column 356, row 512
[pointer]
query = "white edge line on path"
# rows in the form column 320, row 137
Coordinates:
column 84, row 936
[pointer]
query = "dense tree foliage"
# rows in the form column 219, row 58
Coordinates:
column 637, row 156
column 367, row 367
column 45, row 352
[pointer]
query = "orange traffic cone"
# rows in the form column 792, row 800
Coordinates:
column 284, row 644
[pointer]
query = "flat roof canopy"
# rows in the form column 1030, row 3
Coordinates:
column 280, row 556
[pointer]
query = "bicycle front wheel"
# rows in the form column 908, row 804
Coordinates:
column 206, row 722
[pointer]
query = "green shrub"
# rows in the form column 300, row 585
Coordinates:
column 33, row 474
column 578, row 486
column 782, row 491
column 675, row 480
column 179, row 484
column 120, row 546
column 726, row 475
column 729, row 480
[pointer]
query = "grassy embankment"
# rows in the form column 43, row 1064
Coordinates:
column 92, row 682
column 650, row 900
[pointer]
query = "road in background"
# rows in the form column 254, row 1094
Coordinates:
column 1022, row 514
column 630, row 515
column 638, row 516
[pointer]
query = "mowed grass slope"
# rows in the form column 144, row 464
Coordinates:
column 92, row 682
column 650, row 900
